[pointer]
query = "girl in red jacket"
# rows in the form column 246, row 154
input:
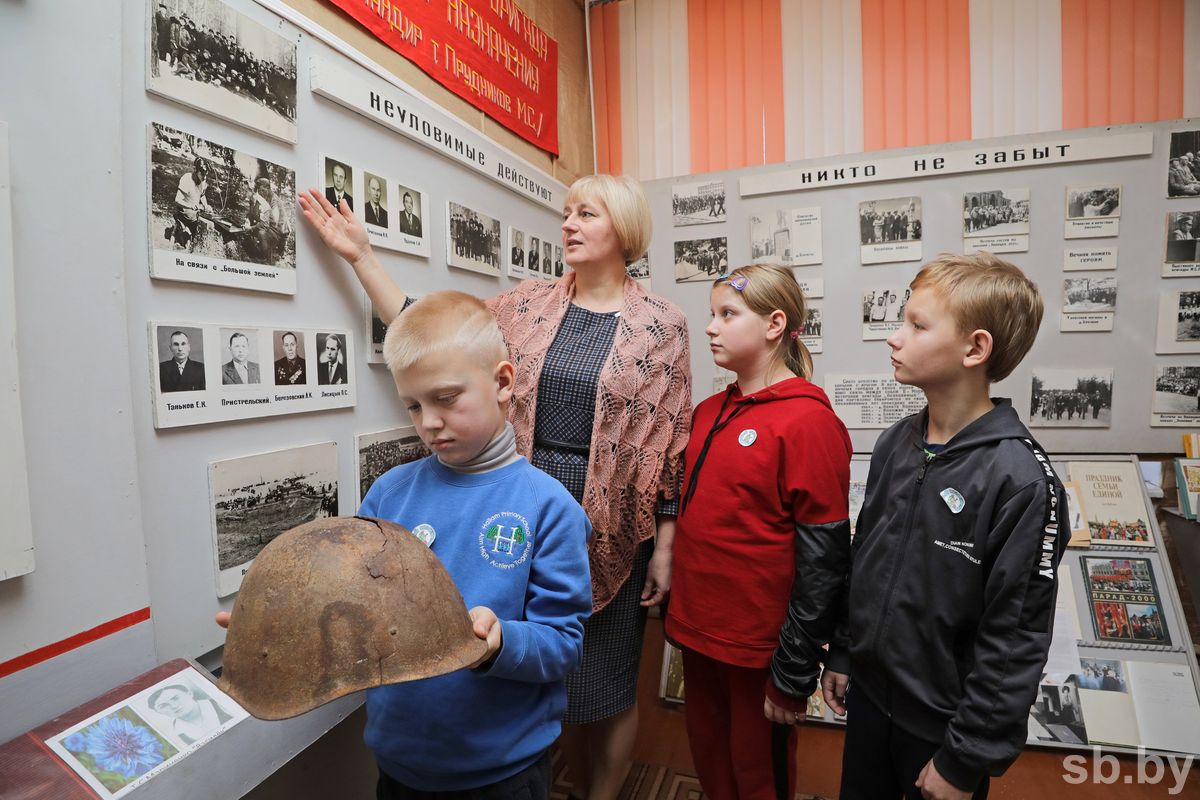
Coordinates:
column 762, row 547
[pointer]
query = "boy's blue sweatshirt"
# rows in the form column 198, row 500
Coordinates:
column 514, row 540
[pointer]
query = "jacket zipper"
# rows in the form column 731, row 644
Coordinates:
column 912, row 513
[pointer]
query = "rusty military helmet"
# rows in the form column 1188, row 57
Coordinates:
column 339, row 605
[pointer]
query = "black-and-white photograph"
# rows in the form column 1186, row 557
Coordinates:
column 217, row 213
column 256, row 498
column 1058, row 714
column 381, row 451
column 1187, row 317
column 895, row 220
column 698, row 203
column 701, row 259
column 180, row 358
column 375, row 207
column 810, row 331
column 291, row 365
column 547, row 259
column 1183, row 237
column 339, row 182
column 1183, row 165
column 885, row 304
column 533, row 262
column 1093, row 201
column 1071, row 398
column 1089, row 295
column 558, row 261
column 205, row 55
column 639, row 270
column 376, row 331
column 239, row 357
column 516, row 253
column 1176, row 390
column 474, row 240
column 333, row 367
column 791, row 237
column 999, row 212
column 410, row 214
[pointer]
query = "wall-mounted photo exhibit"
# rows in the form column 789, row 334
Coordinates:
column 256, row 498
column 207, row 56
column 1176, row 401
column 1071, row 398
column 1092, row 211
column 698, row 203
column 203, row 372
column 890, row 230
column 473, row 240
column 380, row 451
column 701, row 259
column 518, row 252
column 1077, row 259
column 375, row 330
column 1182, row 258
column 219, row 216
column 1178, row 322
column 1089, row 304
column 547, row 258
column 810, row 332
column 874, row 400
column 1183, row 165
column 996, row 220
column 883, row 311
column 640, row 270
column 393, row 214
column 791, row 237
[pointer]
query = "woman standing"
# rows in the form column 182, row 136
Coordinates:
column 603, row 403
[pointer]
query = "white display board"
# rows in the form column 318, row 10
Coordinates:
column 1124, row 166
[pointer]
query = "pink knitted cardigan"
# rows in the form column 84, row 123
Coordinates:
column 643, row 413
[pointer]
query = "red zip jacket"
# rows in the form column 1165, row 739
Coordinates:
column 762, row 543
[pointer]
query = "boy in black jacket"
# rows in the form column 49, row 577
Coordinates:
column 955, row 562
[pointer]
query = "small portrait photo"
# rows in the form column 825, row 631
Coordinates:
column 517, row 245
column 547, row 258
column 1176, row 390
column 189, row 713
column 698, row 203
column 1076, row 398
column 206, row 55
column 885, row 304
column 812, row 322
column 639, row 270
column 1103, row 674
column 339, row 183
column 180, row 358
column 1059, row 714
column 375, row 210
column 895, row 220
column 701, row 259
column 239, row 357
column 558, row 261
column 1183, row 164
column 534, row 263
column 1183, row 237
column 332, row 369
column 1187, row 325
column 289, row 358
column 999, row 212
column 1093, row 201
column 410, row 211
column 474, row 240
column 1089, row 295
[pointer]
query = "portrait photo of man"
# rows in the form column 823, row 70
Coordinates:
column 332, row 370
column 239, row 370
column 290, row 369
column 340, row 176
column 410, row 220
column 376, row 211
column 180, row 372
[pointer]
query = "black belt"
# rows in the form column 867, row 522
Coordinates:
column 569, row 446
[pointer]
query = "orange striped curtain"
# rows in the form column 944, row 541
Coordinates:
column 606, row 86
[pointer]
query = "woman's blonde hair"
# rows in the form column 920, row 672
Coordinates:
column 626, row 204
column 767, row 288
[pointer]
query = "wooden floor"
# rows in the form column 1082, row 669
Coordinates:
column 1037, row 774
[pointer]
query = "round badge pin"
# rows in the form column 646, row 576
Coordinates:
column 747, row 437
column 425, row 533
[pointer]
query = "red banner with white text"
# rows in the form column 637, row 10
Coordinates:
column 488, row 52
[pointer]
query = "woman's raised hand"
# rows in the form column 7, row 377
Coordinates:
column 338, row 227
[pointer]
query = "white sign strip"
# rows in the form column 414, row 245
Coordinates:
column 970, row 157
column 378, row 100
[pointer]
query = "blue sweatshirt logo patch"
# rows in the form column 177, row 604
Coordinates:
column 954, row 500
column 505, row 540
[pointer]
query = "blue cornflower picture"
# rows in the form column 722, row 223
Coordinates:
column 119, row 748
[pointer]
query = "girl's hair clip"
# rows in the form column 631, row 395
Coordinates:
column 738, row 282
column 795, row 335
